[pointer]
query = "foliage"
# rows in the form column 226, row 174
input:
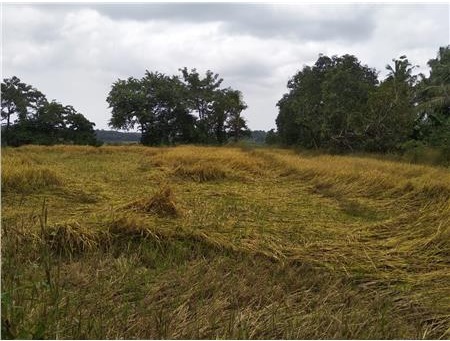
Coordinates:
column 326, row 104
column 18, row 100
column 232, row 104
column 112, row 136
column 258, row 136
column 433, row 125
column 390, row 116
column 169, row 110
column 155, row 105
column 417, row 151
column 338, row 104
column 272, row 137
column 38, row 121
column 201, row 95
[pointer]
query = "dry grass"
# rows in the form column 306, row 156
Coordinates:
column 201, row 172
column 258, row 243
column 161, row 203
column 218, row 162
column 21, row 174
column 72, row 238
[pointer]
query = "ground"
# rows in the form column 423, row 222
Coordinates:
column 222, row 242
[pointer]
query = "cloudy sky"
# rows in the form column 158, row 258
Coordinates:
column 73, row 53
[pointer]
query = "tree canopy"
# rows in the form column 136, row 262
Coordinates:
column 339, row 104
column 336, row 104
column 172, row 109
column 434, row 101
column 29, row 118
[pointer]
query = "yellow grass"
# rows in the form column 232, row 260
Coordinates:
column 161, row 203
column 208, row 242
column 22, row 174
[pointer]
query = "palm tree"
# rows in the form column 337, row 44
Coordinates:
column 401, row 71
column 400, row 74
column 434, row 92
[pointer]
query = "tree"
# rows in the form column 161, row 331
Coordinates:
column 301, row 118
column 389, row 120
column 272, row 137
column 433, row 108
column 219, row 114
column 129, row 105
column 235, row 123
column 326, row 104
column 163, row 108
column 226, row 118
column 48, row 124
column 156, row 105
column 401, row 71
column 171, row 120
column 390, row 116
column 201, row 95
column 20, row 100
column 54, row 123
column 77, row 128
column 345, row 92
column 39, row 121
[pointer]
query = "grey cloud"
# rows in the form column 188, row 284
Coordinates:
column 251, row 69
column 341, row 25
column 260, row 20
column 73, row 52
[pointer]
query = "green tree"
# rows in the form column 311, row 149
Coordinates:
column 128, row 103
column 48, row 124
column 236, row 125
column 77, row 128
column 301, row 117
column 219, row 114
column 433, row 126
column 390, row 117
column 54, row 123
column 156, row 105
column 326, row 104
column 201, row 96
column 345, row 92
column 39, row 121
column 166, row 101
column 401, row 72
column 18, row 100
column 272, row 137
column 226, row 119
column 167, row 109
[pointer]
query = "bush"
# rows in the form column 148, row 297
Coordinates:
column 419, row 152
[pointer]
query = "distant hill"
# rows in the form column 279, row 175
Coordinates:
column 111, row 136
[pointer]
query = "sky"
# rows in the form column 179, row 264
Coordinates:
column 74, row 52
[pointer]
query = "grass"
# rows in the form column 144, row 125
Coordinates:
column 161, row 203
column 207, row 242
column 21, row 174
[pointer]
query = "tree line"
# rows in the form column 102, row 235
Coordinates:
column 339, row 104
column 173, row 109
column 29, row 118
column 165, row 109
